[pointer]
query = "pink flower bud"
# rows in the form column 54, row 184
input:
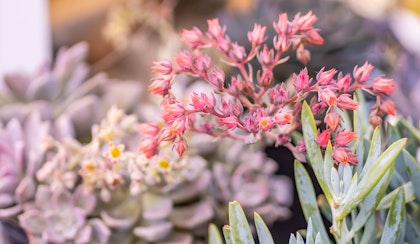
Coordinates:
column 282, row 26
column 344, row 156
column 184, row 60
column 325, row 77
column 323, row 138
column 302, row 80
column 265, row 57
column 327, row 96
column 180, row 147
column 281, row 43
column 230, row 122
column 278, row 94
column 160, row 86
column 345, row 102
column 171, row 111
column 202, row 63
column 202, row 102
column 193, row 38
column 148, row 146
column 215, row 30
column 303, row 55
column 163, row 67
column 217, row 77
column 375, row 120
column 313, row 37
column 343, row 83
column 332, row 120
column 257, row 36
column 266, row 78
column 387, row 107
column 384, row 86
column 238, row 52
column 304, row 23
column 362, row 74
column 284, row 118
column 345, row 137
column 150, row 129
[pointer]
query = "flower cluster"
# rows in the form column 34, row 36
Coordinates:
column 252, row 104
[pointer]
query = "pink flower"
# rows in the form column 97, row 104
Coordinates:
column 266, row 78
column 202, row 62
column 217, row 77
column 323, row 138
column 160, row 86
column 284, row 118
column 325, row 77
column 387, row 107
column 257, row 36
column 344, row 156
column 278, row 94
column 362, row 74
column 238, row 52
column 163, row 67
column 265, row 57
column 282, row 26
column 301, row 81
column 384, row 86
column 148, row 146
column 178, row 126
column 193, row 38
column 150, row 129
column 171, row 111
column 215, row 30
column 305, row 22
column 281, row 43
column 327, row 95
column 332, row 120
column 184, row 60
column 345, row 102
column 345, row 137
column 230, row 122
column 202, row 102
column 343, row 83
column 313, row 37
column 265, row 123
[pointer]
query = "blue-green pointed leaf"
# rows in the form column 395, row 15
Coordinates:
column 373, row 176
column 374, row 151
column 239, row 227
column 264, row 234
column 227, row 234
column 361, row 116
column 413, row 131
column 386, row 201
column 310, row 133
column 395, row 220
column 292, row 239
column 307, row 199
column 324, row 207
column 214, row 235
column 413, row 171
column 370, row 203
column 362, row 152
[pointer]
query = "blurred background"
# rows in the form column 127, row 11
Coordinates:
column 125, row 36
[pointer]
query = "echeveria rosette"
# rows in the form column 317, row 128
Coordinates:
column 21, row 155
column 59, row 216
column 248, row 176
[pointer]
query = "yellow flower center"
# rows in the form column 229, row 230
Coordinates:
column 164, row 164
column 115, row 152
column 90, row 167
column 108, row 135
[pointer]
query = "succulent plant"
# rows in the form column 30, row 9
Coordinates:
column 21, row 155
column 58, row 216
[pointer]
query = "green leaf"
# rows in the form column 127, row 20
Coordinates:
column 373, row 176
column 241, row 233
column 292, row 239
column 372, row 200
column 361, row 116
column 310, row 133
column 214, row 235
column 413, row 131
column 386, row 201
column 307, row 199
column 264, row 235
column 395, row 221
column 374, row 151
column 413, row 171
column 227, row 233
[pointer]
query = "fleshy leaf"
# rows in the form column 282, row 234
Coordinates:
column 238, row 223
column 214, row 235
column 308, row 200
column 386, row 201
column 227, row 233
column 373, row 176
column 310, row 133
column 395, row 221
column 264, row 235
column 413, row 171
